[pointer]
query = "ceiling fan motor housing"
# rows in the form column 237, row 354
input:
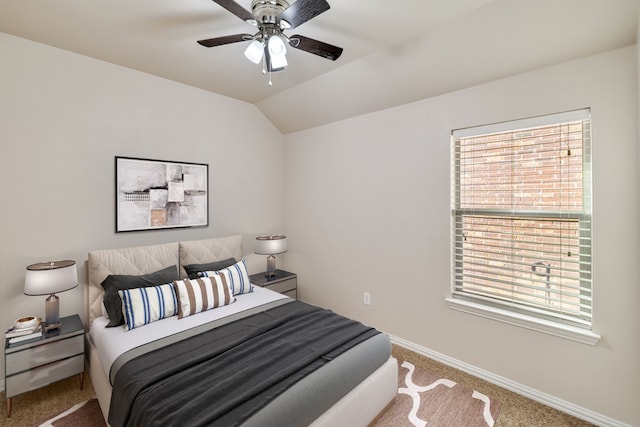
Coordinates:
column 267, row 11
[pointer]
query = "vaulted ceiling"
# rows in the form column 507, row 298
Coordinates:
column 394, row 51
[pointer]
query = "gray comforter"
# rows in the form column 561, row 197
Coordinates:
column 222, row 376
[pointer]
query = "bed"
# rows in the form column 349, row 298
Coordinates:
column 351, row 384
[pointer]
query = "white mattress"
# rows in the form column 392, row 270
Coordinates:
column 112, row 342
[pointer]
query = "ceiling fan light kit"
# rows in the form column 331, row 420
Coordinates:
column 254, row 52
column 277, row 53
column 272, row 18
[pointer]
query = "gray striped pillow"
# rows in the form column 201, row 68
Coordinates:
column 141, row 306
column 204, row 293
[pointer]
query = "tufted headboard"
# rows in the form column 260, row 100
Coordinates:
column 147, row 259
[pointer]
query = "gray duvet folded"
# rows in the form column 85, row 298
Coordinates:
column 225, row 375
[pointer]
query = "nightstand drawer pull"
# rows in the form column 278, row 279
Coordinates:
column 43, row 354
column 44, row 375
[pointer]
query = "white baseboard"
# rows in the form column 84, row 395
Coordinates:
column 533, row 394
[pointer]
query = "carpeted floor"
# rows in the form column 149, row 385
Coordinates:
column 515, row 410
column 45, row 402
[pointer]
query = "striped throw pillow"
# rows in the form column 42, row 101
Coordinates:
column 145, row 305
column 237, row 277
column 205, row 293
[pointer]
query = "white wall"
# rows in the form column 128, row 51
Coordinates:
column 63, row 118
column 367, row 200
column 368, row 209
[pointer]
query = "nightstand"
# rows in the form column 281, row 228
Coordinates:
column 283, row 282
column 40, row 361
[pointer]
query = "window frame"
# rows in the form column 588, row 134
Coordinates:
column 516, row 314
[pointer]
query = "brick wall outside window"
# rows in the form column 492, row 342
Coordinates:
column 522, row 233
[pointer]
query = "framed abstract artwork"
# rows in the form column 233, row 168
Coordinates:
column 157, row 194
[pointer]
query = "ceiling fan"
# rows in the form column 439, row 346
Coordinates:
column 272, row 18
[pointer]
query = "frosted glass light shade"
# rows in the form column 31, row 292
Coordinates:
column 277, row 52
column 254, row 52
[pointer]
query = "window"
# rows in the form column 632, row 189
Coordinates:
column 521, row 203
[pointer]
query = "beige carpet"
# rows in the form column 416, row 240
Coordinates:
column 515, row 410
column 45, row 402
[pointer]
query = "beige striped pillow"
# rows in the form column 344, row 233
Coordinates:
column 204, row 293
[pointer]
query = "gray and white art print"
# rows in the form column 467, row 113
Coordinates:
column 154, row 194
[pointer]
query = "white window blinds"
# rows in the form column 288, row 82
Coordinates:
column 522, row 216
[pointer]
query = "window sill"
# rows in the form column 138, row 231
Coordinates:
column 556, row 329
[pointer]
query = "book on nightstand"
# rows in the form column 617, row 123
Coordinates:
column 32, row 331
column 36, row 334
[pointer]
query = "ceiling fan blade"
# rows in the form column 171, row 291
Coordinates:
column 316, row 47
column 303, row 10
column 217, row 41
column 237, row 10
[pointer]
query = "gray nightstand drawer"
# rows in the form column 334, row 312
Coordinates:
column 44, row 375
column 292, row 293
column 43, row 354
column 283, row 286
column 281, row 281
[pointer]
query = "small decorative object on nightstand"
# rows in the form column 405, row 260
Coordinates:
column 42, row 360
column 281, row 281
column 270, row 245
column 49, row 278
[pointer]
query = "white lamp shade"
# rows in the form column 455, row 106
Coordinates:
column 270, row 245
column 48, row 278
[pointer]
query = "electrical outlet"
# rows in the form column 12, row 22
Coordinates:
column 366, row 298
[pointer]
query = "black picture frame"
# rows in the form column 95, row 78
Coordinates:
column 159, row 194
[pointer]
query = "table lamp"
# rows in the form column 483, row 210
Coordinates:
column 49, row 278
column 270, row 245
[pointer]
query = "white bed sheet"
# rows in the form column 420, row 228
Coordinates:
column 112, row 342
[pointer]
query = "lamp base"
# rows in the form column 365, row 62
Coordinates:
column 52, row 310
column 52, row 327
column 271, row 266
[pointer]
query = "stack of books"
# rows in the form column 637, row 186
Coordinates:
column 15, row 334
